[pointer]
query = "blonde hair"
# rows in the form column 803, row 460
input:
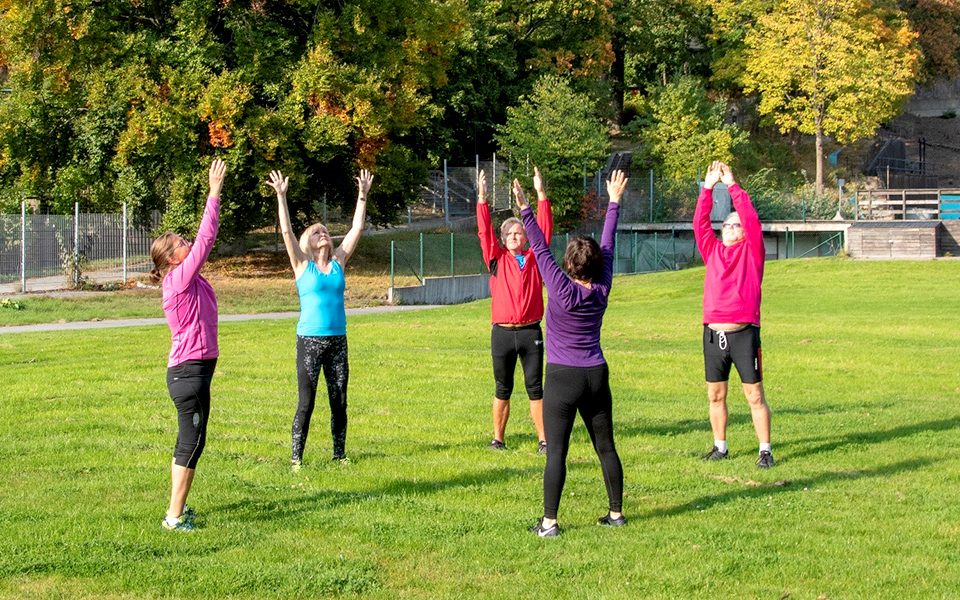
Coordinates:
column 305, row 238
column 506, row 225
column 161, row 251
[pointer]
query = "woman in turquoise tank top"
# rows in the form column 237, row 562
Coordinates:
column 322, row 328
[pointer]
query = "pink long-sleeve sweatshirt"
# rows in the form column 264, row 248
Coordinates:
column 731, row 288
column 189, row 303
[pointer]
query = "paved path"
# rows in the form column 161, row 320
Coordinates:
column 223, row 319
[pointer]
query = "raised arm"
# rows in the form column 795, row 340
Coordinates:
column 616, row 186
column 187, row 271
column 280, row 184
column 349, row 244
column 557, row 282
column 544, row 209
column 489, row 245
column 702, row 229
column 749, row 220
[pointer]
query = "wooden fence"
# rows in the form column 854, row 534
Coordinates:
column 908, row 204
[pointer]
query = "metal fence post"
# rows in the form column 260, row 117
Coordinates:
column 421, row 256
column 476, row 177
column 446, row 204
column 76, row 244
column 23, row 247
column 636, row 253
column 392, row 248
column 124, row 226
column 494, row 176
column 651, row 195
column 451, row 254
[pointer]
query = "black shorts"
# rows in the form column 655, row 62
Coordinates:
column 740, row 348
column 507, row 344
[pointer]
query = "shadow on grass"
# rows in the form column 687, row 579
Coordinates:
column 870, row 437
column 281, row 508
column 705, row 502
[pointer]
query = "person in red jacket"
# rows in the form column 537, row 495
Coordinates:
column 516, row 288
column 731, row 309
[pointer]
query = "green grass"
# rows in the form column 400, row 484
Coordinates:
column 860, row 363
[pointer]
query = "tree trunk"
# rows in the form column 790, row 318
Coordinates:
column 616, row 78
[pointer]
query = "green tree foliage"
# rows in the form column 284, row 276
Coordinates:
column 830, row 67
column 684, row 130
column 116, row 102
column 507, row 47
column 556, row 129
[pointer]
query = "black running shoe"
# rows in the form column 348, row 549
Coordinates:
column 541, row 531
column 608, row 521
column 542, row 448
column 715, row 454
column 765, row 460
column 497, row 445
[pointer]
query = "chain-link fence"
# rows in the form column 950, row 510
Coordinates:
column 454, row 254
column 42, row 252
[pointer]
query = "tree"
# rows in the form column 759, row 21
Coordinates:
column 556, row 129
column 937, row 23
column 830, row 67
column 129, row 101
column 686, row 130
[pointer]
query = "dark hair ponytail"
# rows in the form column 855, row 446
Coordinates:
column 583, row 259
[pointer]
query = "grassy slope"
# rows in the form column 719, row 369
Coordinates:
column 860, row 368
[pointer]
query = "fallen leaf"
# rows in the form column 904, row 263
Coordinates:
column 785, row 596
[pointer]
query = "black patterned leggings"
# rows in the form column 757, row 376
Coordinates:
column 330, row 353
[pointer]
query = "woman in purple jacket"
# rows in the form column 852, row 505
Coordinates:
column 191, row 310
column 576, row 377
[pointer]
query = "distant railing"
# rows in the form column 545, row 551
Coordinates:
column 908, row 204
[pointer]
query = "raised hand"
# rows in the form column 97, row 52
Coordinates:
column 538, row 183
column 218, row 169
column 713, row 175
column 364, row 181
column 616, row 185
column 726, row 175
column 482, row 187
column 279, row 183
column 519, row 195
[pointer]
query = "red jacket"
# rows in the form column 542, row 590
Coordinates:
column 731, row 287
column 517, row 293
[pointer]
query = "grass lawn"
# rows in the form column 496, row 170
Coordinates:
column 860, row 367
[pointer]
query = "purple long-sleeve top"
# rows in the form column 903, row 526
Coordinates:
column 574, row 313
column 189, row 303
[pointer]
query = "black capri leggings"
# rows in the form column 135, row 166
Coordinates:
column 314, row 353
column 189, row 386
column 585, row 390
column 507, row 344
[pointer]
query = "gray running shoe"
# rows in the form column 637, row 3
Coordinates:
column 715, row 454
column 765, row 460
column 541, row 531
column 542, row 448
column 497, row 445
column 608, row 521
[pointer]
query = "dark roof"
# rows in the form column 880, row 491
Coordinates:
column 894, row 224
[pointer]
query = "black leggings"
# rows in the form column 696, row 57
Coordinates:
column 189, row 387
column 507, row 344
column 330, row 353
column 585, row 390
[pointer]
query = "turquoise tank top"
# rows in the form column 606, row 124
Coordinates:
column 321, row 301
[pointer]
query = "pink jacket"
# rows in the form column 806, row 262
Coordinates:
column 188, row 299
column 731, row 288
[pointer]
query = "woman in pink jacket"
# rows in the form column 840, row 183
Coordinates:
column 731, row 309
column 190, row 307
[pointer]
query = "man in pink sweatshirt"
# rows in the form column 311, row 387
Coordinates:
column 731, row 309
